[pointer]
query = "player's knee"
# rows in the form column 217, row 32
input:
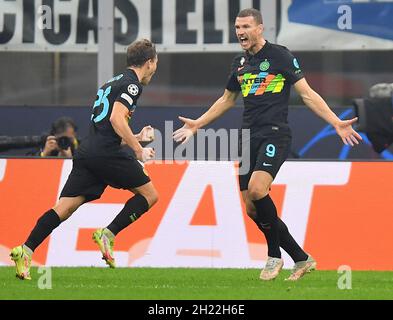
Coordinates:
column 257, row 191
column 64, row 212
column 250, row 209
column 152, row 198
column 65, row 208
column 251, row 212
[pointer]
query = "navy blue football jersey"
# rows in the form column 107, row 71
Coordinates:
column 102, row 140
column 264, row 80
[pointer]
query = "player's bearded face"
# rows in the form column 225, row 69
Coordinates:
column 248, row 32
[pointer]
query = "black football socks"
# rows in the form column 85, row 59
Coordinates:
column 267, row 222
column 133, row 209
column 289, row 244
column 49, row 221
column 43, row 228
column 286, row 241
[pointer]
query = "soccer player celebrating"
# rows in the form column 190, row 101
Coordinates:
column 100, row 161
column 264, row 74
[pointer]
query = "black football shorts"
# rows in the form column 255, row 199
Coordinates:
column 267, row 153
column 90, row 176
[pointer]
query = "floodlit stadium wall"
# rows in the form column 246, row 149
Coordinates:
column 341, row 212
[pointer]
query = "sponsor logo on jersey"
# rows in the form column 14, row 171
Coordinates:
column 258, row 84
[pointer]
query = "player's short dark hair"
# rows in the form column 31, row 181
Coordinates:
column 60, row 125
column 139, row 52
column 251, row 12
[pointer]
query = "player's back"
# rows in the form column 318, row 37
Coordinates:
column 102, row 140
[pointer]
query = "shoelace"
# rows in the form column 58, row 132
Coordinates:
column 297, row 267
column 270, row 264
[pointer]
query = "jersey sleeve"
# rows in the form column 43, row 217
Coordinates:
column 291, row 67
column 128, row 94
column 232, row 82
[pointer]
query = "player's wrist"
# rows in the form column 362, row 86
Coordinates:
column 336, row 123
column 198, row 125
column 138, row 150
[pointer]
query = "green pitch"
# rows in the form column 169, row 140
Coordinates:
column 182, row 283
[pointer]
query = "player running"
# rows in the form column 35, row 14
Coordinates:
column 100, row 161
column 264, row 74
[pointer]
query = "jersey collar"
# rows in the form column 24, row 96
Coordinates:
column 133, row 74
column 261, row 52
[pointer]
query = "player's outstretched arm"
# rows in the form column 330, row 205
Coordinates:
column 315, row 102
column 121, row 127
column 224, row 103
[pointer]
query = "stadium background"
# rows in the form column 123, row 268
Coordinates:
column 47, row 74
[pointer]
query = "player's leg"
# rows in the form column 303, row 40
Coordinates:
column 81, row 186
column 255, row 186
column 126, row 174
column 145, row 197
column 271, row 151
column 49, row 221
column 267, row 221
column 287, row 242
column 266, row 158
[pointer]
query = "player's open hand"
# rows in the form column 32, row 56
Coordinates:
column 146, row 134
column 187, row 131
column 348, row 135
column 145, row 154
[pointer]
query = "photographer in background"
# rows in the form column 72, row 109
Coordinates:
column 62, row 141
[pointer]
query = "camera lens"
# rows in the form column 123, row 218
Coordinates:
column 63, row 142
